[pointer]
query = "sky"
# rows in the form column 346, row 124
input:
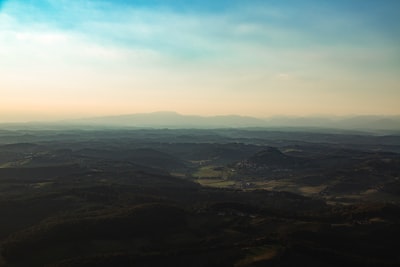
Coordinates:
column 63, row 59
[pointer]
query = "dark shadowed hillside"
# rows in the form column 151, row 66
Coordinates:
column 198, row 198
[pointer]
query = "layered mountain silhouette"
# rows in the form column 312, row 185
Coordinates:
column 169, row 119
column 173, row 120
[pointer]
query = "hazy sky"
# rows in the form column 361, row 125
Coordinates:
column 79, row 58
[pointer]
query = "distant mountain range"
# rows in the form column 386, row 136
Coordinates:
column 175, row 120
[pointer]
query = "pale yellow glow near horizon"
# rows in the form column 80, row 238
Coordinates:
column 49, row 104
column 75, row 91
column 96, row 94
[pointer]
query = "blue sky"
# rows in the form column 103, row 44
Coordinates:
column 64, row 59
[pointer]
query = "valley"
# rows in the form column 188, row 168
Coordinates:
column 187, row 197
